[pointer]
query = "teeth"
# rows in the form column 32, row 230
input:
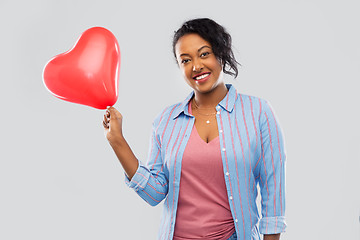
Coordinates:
column 202, row 76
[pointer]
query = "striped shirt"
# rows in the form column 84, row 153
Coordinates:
column 252, row 152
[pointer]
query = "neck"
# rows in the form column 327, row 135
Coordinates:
column 212, row 98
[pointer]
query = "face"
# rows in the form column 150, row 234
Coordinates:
column 199, row 65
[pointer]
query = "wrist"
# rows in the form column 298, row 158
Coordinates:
column 117, row 142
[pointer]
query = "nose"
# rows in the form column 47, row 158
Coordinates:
column 197, row 66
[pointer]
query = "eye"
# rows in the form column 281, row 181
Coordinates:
column 204, row 54
column 184, row 61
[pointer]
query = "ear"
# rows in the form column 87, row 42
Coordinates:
column 177, row 62
column 220, row 61
column 222, row 64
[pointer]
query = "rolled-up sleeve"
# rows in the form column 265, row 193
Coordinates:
column 150, row 181
column 272, row 173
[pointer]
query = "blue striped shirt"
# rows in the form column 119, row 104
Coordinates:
column 252, row 152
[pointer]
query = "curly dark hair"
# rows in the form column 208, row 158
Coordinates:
column 217, row 36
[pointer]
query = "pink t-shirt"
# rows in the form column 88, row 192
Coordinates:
column 203, row 208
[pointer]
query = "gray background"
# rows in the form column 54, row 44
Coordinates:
column 59, row 178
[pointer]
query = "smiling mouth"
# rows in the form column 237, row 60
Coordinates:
column 201, row 76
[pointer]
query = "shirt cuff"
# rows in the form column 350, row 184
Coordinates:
column 272, row 225
column 140, row 178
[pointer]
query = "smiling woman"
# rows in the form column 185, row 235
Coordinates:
column 199, row 65
column 220, row 143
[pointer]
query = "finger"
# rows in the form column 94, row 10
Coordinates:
column 107, row 120
column 114, row 113
column 105, row 124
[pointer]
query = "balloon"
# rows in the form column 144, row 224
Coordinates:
column 88, row 73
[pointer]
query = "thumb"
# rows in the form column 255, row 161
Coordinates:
column 114, row 113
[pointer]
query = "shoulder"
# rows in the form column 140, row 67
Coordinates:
column 249, row 102
column 166, row 114
column 258, row 108
column 248, row 98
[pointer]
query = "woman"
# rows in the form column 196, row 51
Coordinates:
column 220, row 143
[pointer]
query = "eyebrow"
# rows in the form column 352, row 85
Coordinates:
column 186, row 54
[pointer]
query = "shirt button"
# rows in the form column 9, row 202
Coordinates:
column 217, row 112
column 230, row 197
column 236, row 220
column 223, row 149
column 218, row 107
column 227, row 173
column 221, row 131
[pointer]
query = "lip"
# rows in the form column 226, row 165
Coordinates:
column 204, row 79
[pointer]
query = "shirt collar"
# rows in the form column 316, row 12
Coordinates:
column 227, row 103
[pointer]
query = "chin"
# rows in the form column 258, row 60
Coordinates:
column 205, row 88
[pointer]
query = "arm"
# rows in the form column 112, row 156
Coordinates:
column 272, row 236
column 149, row 182
column 113, row 130
column 272, row 175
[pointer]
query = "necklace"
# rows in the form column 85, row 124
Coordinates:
column 207, row 115
column 197, row 106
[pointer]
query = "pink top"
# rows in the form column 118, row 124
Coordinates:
column 203, row 209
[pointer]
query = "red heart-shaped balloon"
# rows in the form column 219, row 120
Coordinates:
column 89, row 72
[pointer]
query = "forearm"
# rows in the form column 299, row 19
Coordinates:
column 126, row 157
column 272, row 236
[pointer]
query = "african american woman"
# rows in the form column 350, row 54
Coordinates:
column 211, row 152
